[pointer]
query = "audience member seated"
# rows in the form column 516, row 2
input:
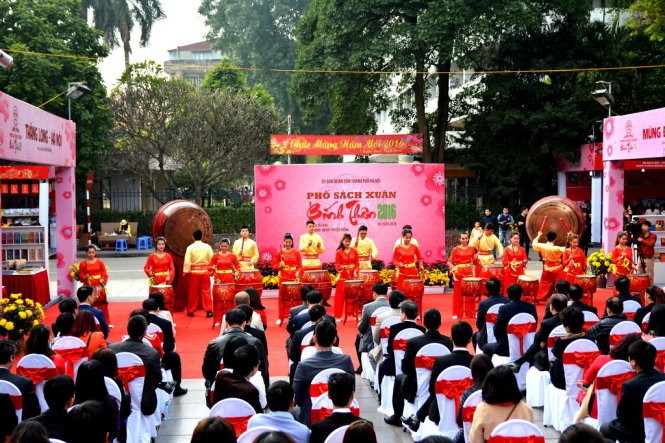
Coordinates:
column 360, row 431
column 59, row 395
column 161, row 308
column 502, row 401
column 629, row 424
column 560, row 287
column 341, row 388
column 9, row 418
column 657, row 321
column 316, row 314
column 408, row 315
column 90, row 385
column 86, row 299
column 600, row 332
column 395, row 299
column 236, row 384
column 406, row 384
column 622, row 286
column 257, row 306
column 325, row 334
column 261, row 335
column 236, row 326
column 136, row 327
column 294, row 311
column 506, row 312
column 29, row 432
column 313, row 298
column 242, row 298
column 364, row 341
column 228, row 358
column 109, row 362
column 39, row 342
column 88, row 423
column 85, row 328
column 536, row 355
column 581, row 433
column 493, row 286
column 68, row 305
column 653, row 296
column 64, row 324
column 281, row 402
column 576, row 294
column 7, row 359
column 170, row 359
column 573, row 322
column 213, row 430
column 480, row 366
column 273, row 437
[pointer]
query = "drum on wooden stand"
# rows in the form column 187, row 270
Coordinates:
column 250, row 279
column 369, row 277
column 167, row 292
column 319, row 280
column 223, row 299
column 495, row 270
column 289, row 296
column 639, row 284
column 353, row 298
column 529, row 285
column 414, row 290
column 471, row 288
column 588, row 283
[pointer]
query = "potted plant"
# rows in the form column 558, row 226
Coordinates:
column 17, row 317
column 600, row 263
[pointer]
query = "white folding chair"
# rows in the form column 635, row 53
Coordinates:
column 577, row 357
column 131, row 372
column 311, row 350
column 537, row 381
column 14, row 395
column 155, row 337
column 337, row 436
column 521, row 331
column 490, row 318
column 652, row 411
column 449, row 387
column 236, row 411
column 608, row 385
column 113, row 389
column 306, row 340
column 645, row 322
column 38, row 368
column 388, row 382
column 590, row 319
column 424, row 361
column 318, row 391
column 659, row 344
column 250, row 434
column 468, row 409
column 73, row 351
column 399, row 346
column 368, row 369
column 620, row 330
column 630, row 308
column 517, row 428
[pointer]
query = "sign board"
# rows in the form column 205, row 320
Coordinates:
column 346, row 144
column 634, row 136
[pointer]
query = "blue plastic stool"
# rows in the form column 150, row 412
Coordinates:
column 121, row 244
column 143, row 242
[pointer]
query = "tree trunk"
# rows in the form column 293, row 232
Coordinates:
column 443, row 106
column 127, row 50
column 421, row 116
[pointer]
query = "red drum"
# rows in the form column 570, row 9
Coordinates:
column 250, row 279
column 100, row 294
column 369, row 277
column 471, row 289
column 320, row 280
column 353, row 297
column 529, row 285
column 494, row 270
column 167, row 292
column 638, row 282
column 289, row 296
column 588, row 283
column 223, row 299
column 414, row 290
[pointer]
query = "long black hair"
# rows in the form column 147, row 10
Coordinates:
column 341, row 242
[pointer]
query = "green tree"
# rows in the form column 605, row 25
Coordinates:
column 55, row 27
column 227, row 76
column 116, row 19
column 649, row 16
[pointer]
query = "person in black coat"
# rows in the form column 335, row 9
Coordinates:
column 59, row 396
column 622, row 286
column 254, row 332
column 493, row 286
column 236, row 384
column 170, row 359
column 507, row 312
column 600, row 332
column 86, row 299
column 316, row 313
column 628, row 426
column 653, row 295
column 560, row 287
column 573, row 322
column 341, row 388
column 537, row 352
column 313, row 298
column 294, row 311
column 9, row 418
column 406, row 384
column 25, row 385
column 576, row 293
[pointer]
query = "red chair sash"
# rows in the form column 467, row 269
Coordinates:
column 581, row 359
column 508, row 439
column 453, row 389
column 17, row 401
column 239, row 423
column 588, row 325
column 467, row 413
column 660, row 360
column 491, row 317
column 655, row 410
column 37, row 375
column 399, row 345
column 520, row 331
column 425, row 361
column 630, row 315
column 550, row 341
column 156, row 343
column 384, row 332
column 321, row 413
column 616, row 338
column 130, row 373
column 71, row 356
column 318, row 389
column 372, row 321
column 613, row 383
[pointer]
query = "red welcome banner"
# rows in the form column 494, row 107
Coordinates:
column 346, row 144
column 24, row 172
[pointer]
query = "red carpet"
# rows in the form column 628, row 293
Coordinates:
column 193, row 334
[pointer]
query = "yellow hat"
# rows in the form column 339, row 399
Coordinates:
column 123, row 222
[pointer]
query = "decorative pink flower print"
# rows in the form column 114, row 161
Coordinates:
column 66, row 232
column 426, row 200
column 620, row 198
column 280, row 185
column 60, row 259
column 266, row 256
column 608, row 128
column 266, row 169
column 267, row 209
column 611, row 223
column 263, row 193
column 417, row 169
column 436, row 181
column 67, row 195
column 428, row 253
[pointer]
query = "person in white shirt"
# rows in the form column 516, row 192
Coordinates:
column 281, row 402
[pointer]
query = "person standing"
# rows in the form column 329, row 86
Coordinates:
column 552, row 267
column 224, row 265
column 574, row 261
column 488, row 218
column 506, row 223
column 367, row 250
column 311, row 246
column 347, row 264
column 246, row 250
column 407, row 260
column 514, row 260
column 622, row 255
column 521, row 228
column 585, row 240
column 460, row 264
column 92, row 272
column 197, row 263
column 159, row 265
column 645, row 245
column 486, row 245
column 288, row 262
column 400, row 240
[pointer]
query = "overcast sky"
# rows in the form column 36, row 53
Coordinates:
column 183, row 25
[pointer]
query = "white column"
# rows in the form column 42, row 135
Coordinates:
column 596, row 207
column 561, row 183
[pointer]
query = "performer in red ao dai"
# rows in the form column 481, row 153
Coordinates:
column 347, row 265
column 159, row 265
column 574, row 260
column 514, row 260
column 92, row 272
column 288, row 262
column 224, row 266
column 460, row 263
column 622, row 255
column 407, row 260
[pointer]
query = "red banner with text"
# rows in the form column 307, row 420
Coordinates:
column 346, row 144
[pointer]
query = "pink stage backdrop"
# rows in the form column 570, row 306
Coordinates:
column 341, row 198
column 634, row 136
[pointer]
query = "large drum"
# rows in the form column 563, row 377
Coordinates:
column 353, row 298
column 223, row 299
column 638, row 282
column 560, row 213
column 414, row 290
column 369, row 277
column 472, row 286
column 588, row 283
column 289, row 296
column 529, row 285
column 496, row 270
column 167, row 292
column 319, row 280
column 250, row 279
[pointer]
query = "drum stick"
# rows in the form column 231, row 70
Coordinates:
column 565, row 225
column 542, row 226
